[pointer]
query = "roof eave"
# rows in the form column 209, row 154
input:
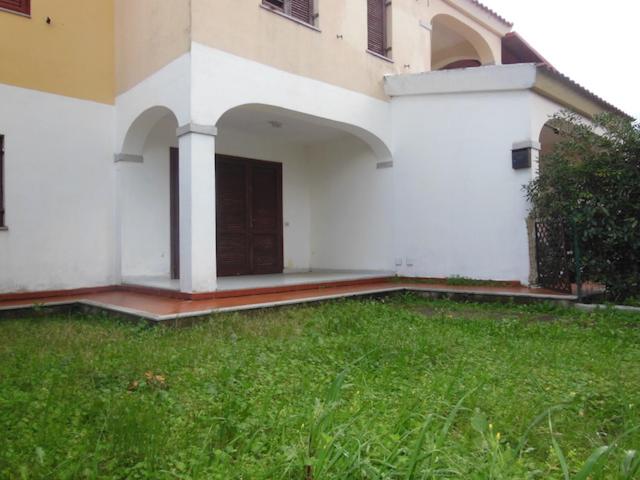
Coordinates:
column 575, row 97
column 492, row 13
column 482, row 14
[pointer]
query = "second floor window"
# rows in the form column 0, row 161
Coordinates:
column 299, row 9
column 378, row 41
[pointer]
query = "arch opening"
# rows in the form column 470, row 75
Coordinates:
column 146, row 215
column 550, row 136
column 292, row 126
column 456, row 45
column 138, row 131
column 337, row 187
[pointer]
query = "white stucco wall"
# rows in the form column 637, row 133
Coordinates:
column 169, row 87
column 351, row 208
column 461, row 209
column 58, row 192
column 144, row 249
column 542, row 111
column 144, row 202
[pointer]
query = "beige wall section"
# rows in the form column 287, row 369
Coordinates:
column 336, row 54
column 149, row 35
column 73, row 56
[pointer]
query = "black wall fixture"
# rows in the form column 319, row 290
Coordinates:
column 521, row 158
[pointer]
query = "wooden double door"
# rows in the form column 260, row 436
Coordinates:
column 248, row 216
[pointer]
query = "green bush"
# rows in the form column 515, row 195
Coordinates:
column 591, row 182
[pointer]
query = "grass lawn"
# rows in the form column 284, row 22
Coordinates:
column 405, row 388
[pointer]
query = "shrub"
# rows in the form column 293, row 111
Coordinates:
column 591, row 182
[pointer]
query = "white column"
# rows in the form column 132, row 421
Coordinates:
column 197, row 208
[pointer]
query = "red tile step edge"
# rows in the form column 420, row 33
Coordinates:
column 252, row 291
column 40, row 295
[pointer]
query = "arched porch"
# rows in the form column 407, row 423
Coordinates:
column 188, row 222
column 144, row 191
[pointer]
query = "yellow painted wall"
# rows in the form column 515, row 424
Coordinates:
column 74, row 56
column 149, row 35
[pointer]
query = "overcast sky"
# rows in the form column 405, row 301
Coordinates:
column 594, row 42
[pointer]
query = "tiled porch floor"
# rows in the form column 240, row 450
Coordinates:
column 157, row 308
column 251, row 282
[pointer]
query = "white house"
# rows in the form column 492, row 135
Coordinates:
column 178, row 143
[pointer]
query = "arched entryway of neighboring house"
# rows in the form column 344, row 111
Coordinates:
column 146, row 198
column 550, row 136
column 455, row 44
column 551, row 241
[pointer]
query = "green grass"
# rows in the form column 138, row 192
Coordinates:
column 402, row 389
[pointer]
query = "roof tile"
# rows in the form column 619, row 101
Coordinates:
column 492, row 12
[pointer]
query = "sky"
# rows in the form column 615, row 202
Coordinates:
column 594, row 42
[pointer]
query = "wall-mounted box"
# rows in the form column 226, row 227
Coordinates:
column 521, row 158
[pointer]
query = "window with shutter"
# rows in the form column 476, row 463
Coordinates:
column 2, row 181
column 377, row 26
column 299, row 9
column 20, row 6
column 302, row 10
column 279, row 4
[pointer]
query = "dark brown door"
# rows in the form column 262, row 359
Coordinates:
column 232, row 217
column 249, row 216
column 174, row 209
column 266, row 217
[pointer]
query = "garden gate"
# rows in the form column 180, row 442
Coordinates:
column 553, row 256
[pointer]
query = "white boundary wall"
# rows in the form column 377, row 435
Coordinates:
column 461, row 208
column 58, row 192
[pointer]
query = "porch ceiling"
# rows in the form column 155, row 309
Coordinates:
column 279, row 125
